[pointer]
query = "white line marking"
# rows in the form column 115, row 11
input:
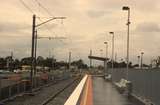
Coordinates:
column 74, row 97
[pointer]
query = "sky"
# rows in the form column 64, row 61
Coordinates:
column 87, row 26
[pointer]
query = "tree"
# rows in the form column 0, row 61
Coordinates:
column 9, row 63
column 48, row 62
column 40, row 61
column 26, row 61
column 16, row 64
column 80, row 64
column 2, row 63
column 158, row 61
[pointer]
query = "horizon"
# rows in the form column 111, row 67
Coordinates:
column 87, row 26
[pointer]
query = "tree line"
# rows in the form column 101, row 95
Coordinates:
column 12, row 64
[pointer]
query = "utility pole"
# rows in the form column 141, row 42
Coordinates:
column 106, row 61
column 53, row 60
column 126, row 8
column 69, row 61
column 112, row 33
column 34, row 25
column 142, row 60
column 90, row 59
column 32, row 51
column 138, row 61
column 35, row 54
column 11, row 62
column 115, row 57
column 101, row 53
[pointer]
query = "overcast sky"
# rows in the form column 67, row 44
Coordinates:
column 87, row 26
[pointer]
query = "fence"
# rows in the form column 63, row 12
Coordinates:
column 146, row 83
column 22, row 86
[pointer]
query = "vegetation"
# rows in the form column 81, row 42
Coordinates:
column 11, row 64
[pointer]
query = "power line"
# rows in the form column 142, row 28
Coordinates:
column 44, row 8
column 51, row 31
column 47, row 11
column 47, row 27
column 30, row 10
column 26, row 6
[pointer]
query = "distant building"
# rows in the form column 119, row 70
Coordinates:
column 26, row 67
column 73, row 68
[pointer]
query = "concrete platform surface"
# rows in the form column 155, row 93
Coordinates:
column 104, row 93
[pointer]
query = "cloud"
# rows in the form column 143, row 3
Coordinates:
column 145, row 5
column 85, row 19
column 96, row 13
column 13, row 28
column 148, row 27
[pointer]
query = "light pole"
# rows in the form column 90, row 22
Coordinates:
column 90, row 59
column 106, row 62
column 106, row 43
column 101, row 53
column 126, row 8
column 142, row 59
column 138, row 60
column 69, row 61
column 35, row 54
column 112, row 33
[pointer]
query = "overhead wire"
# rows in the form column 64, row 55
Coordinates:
column 26, row 6
column 30, row 10
column 49, row 30
column 49, row 13
column 44, row 8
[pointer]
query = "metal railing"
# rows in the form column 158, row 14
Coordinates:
column 146, row 83
column 21, row 87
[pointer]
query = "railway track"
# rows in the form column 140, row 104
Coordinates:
column 47, row 94
column 50, row 100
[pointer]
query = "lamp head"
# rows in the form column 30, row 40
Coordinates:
column 111, row 32
column 125, row 8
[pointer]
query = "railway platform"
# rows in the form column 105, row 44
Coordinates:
column 94, row 90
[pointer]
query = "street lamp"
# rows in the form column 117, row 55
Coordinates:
column 106, row 43
column 106, row 62
column 90, row 59
column 101, row 52
column 142, row 59
column 126, row 8
column 138, row 60
column 112, row 33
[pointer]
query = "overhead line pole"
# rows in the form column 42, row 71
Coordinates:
column 32, row 50
column 69, row 61
column 50, row 20
column 90, row 59
column 51, row 38
column 35, row 55
column 33, row 44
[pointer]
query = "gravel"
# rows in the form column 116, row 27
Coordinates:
column 61, row 98
column 45, row 93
